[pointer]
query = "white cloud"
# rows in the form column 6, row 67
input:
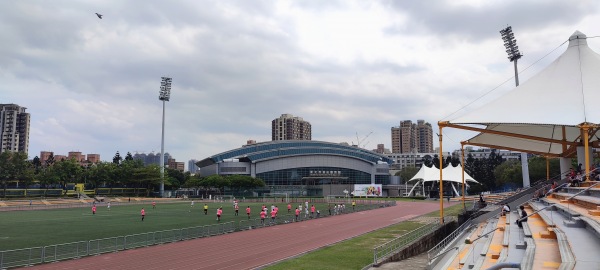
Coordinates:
column 346, row 66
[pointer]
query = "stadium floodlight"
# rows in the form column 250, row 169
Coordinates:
column 165, row 89
column 513, row 55
column 164, row 95
column 511, row 44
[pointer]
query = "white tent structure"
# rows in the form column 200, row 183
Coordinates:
column 451, row 174
column 552, row 114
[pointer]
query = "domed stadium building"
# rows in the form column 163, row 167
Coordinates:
column 307, row 168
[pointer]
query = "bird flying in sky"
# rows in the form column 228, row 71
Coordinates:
column 99, row 15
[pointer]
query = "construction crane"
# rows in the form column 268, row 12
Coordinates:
column 359, row 142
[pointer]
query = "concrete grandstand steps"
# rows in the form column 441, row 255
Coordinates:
column 588, row 184
column 484, row 247
column 577, row 245
column 589, row 202
column 548, row 234
column 489, row 198
column 465, row 254
column 594, row 212
column 547, row 252
column 497, row 244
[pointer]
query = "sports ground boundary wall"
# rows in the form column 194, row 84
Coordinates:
column 414, row 242
column 53, row 253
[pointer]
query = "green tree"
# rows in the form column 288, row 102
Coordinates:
column 148, row 176
column 101, row 173
column 216, row 181
column 50, row 160
column 48, row 177
column 537, row 168
column 510, row 173
column 407, row 173
column 67, row 171
column 176, row 177
column 117, row 158
column 244, row 182
column 126, row 170
column 14, row 167
column 37, row 164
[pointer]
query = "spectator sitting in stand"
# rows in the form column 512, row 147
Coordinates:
column 505, row 209
column 578, row 179
column 571, row 175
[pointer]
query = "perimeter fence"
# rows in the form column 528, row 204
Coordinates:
column 53, row 253
column 391, row 247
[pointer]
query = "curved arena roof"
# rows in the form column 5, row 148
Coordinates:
column 277, row 149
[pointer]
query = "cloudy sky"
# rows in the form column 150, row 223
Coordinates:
column 347, row 67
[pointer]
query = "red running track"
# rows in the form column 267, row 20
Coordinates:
column 253, row 248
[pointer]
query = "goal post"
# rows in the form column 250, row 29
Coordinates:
column 338, row 199
column 276, row 197
column 223, row 198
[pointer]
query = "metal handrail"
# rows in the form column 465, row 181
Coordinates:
column 483, row 235
column 391, row 246
column 535, row 212
column 444, row 253
column 442, row 244
column 579, row 193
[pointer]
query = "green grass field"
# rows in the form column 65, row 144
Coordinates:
column 24, row 229
column 357, row 252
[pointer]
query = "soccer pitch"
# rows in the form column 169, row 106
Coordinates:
column 35, row 228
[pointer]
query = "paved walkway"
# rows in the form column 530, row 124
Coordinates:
column 253, row 248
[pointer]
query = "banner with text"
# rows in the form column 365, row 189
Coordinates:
column 372, row 190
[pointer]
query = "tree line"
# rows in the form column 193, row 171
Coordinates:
column 121, row 172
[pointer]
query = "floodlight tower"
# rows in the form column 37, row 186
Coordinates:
column 513, row 55
column 164, row 95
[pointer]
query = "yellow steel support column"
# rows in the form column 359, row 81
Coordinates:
column 441, row 158
column 585, row 126
column 462, row 151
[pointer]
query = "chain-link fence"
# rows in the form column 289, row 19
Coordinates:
column 52, row 253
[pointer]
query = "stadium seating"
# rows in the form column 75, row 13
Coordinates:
column 563, row 232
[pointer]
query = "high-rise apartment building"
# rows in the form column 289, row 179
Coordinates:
column 192, row 167
column 289, row 127
column 93, row 158
column 45, row 157
column 151, row 158
column 174, row 164
column 77, row 156
column 412, row 138
column 14, row 128
column 424, row 137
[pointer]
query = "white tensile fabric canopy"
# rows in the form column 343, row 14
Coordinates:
column 546, row 114
column 452, row 174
